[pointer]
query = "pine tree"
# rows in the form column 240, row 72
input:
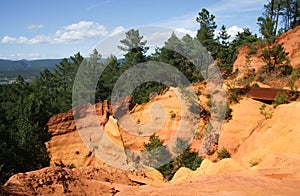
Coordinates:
column 205, row 34
column 225, row 56
column 134, row 47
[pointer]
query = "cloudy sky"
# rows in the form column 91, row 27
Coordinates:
column 33, row 29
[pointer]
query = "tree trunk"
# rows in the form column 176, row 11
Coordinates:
column 294, row 23
column 277, row 17
column 272, row 9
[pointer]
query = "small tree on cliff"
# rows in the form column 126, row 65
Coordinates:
column 155, row 154
column 274, row 54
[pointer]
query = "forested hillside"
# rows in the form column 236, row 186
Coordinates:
column 9, row 70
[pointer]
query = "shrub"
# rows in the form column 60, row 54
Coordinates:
column 185, row 158
column 156, row 152
column 280, row 98
column 72, row 166
column 235, row 95
column 255, row 85
column 210, row 103
column 198, row 135
column 285, row 70
column 172, row 114
column 223, row 153
column 293, row 78
column 275, row 56
column 267, row 114
column 228, row 114
column 252, row 50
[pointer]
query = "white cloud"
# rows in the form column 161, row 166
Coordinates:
column 180, row 32
column 79, row 31
column 73, row 33
column 14, row 40
column 232, row 31
column 34, row 26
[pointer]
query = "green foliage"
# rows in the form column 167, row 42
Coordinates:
column 205, row 34
column 185, row 158
column 169, row 54
column 266, row 113
column 72, row 166
column 155, row 154
column 280, row 98
column 226, row 54
column 25, row 111
column 223, row 153
column 142, row 92
column 234, row 95
column 276, row 60
column 267, row 29
column 23, row 117
column 228, row 112
column 293, row 78
column 135, row 48
column 252, row 49
column 154, row 150
column 210, row 103
column 273, row 55
column 107, row 79
column 255, row 85
column 243, row 38
column 284, row 13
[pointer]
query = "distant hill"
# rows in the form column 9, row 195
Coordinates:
column 26, row 68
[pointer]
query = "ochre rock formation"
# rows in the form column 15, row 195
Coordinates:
column 73, row 147
column 291, row 44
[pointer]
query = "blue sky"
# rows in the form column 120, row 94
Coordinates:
column 32, row 29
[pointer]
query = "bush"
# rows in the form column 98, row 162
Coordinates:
column 72, row 166
column 280, row 98
column 172, row 114
column 275, row 56
column 223, row 153
column 235, row 94
column 293, row 78
column 267, row 114
column 252, row 50
column 286, row 70
column 210, row 103
column 255, row 85
column 156, row 152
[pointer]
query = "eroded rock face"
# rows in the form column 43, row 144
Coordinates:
column 60, row 181
column 74, row 134
column 291, row 45
column 265, row 157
